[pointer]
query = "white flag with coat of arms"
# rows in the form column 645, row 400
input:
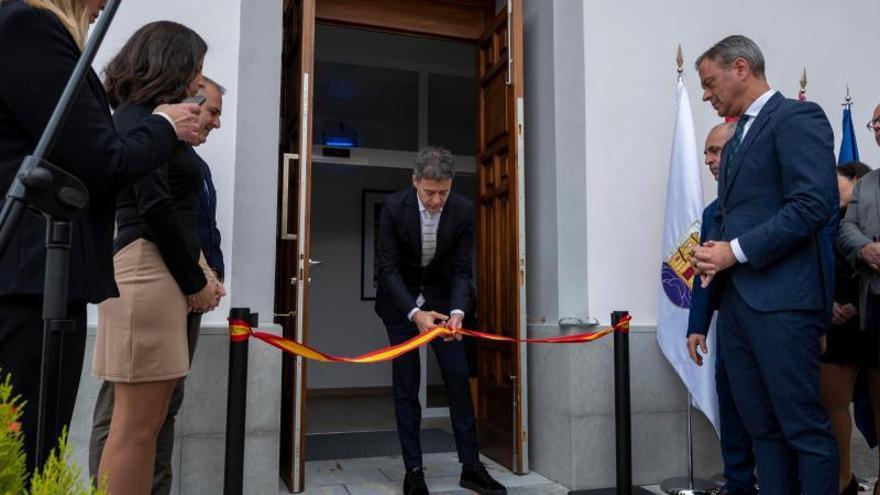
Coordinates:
column 681, row 232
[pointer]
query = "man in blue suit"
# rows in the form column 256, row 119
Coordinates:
column 736, row 446
column 777, row 191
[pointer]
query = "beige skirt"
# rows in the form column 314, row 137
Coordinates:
column 142, row 333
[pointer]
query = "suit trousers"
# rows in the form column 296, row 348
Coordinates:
column 21, row 345
column 772, row 359
column 162, row 472
column 736, row 446
column 406, row 377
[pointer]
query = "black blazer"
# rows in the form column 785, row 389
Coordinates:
column 446, row 281
column 37, row 56
column 161, row 208
column 209, row 234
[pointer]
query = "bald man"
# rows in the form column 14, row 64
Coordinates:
column 736, row 446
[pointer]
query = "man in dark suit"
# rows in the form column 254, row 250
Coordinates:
column 736, row 446
column 209, row 238
column 777, row 192
column 426, row 238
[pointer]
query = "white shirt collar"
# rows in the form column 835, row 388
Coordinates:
column 757, row 105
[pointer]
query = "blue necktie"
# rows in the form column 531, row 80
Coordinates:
column 736, row 142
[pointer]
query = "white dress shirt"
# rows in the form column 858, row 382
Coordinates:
column 431, row 221
column 753, row 111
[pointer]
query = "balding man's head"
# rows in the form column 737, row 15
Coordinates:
column 718, row 136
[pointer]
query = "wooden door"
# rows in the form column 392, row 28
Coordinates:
column 292, row 253
column 502, row 383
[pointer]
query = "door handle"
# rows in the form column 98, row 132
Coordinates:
column 286, row 235
column 315, row 262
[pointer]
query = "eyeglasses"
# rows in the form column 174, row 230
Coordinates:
column 872, row 123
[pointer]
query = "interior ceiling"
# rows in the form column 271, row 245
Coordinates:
column 381, row 104
column 365, row 92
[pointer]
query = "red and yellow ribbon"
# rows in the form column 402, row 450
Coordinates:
column 240, row 330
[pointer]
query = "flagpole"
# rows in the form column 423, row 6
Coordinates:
column 688, row 485
column 690, row 432
column 849, row 149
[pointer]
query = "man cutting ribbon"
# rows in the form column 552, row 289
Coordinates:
column 426, row 237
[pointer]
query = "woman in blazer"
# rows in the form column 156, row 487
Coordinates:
column 40, row 43
column 141, row 344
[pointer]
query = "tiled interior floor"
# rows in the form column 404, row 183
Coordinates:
column 335, row 414
column 384, row 475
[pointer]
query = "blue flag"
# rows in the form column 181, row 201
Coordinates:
column 849, row 149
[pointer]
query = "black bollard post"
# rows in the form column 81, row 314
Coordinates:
column 622, row 413
column 622, row 416
column 236, row 405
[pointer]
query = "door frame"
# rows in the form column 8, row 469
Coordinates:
column 459, row 20
column 293, row 257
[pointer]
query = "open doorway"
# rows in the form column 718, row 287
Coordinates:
column 378, row 99
column 492, row 35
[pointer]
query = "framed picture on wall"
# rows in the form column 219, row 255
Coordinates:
column 372, row 213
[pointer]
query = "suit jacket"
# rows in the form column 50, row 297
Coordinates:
column 209, row 234
column 37, row 56
column 446, row 282
column 703, row 302
column 861, row 226
column 781, row 196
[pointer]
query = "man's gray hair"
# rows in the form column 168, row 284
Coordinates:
column 211, row 82
column 434, row 163
column 731, row 48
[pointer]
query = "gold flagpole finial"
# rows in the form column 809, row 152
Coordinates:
column 679, row 59
column 804, row 80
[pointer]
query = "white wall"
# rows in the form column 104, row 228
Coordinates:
column 630, row 83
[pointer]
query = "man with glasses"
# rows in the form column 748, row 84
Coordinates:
column 874, row 124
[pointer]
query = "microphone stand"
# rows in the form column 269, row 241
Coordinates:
column 60, row 198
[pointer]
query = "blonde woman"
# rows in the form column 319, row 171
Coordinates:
column 40, row 42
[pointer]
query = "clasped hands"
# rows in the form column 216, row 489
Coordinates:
column 710, row 258
column 428, row 320
column 206, row 299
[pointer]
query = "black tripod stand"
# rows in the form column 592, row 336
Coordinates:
column 60, row 198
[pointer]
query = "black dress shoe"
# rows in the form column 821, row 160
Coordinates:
column 852, row 488
column 733, row 491
column 414, row 483
column 476, row 478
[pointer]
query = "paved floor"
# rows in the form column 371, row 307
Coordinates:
column 384, row 475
